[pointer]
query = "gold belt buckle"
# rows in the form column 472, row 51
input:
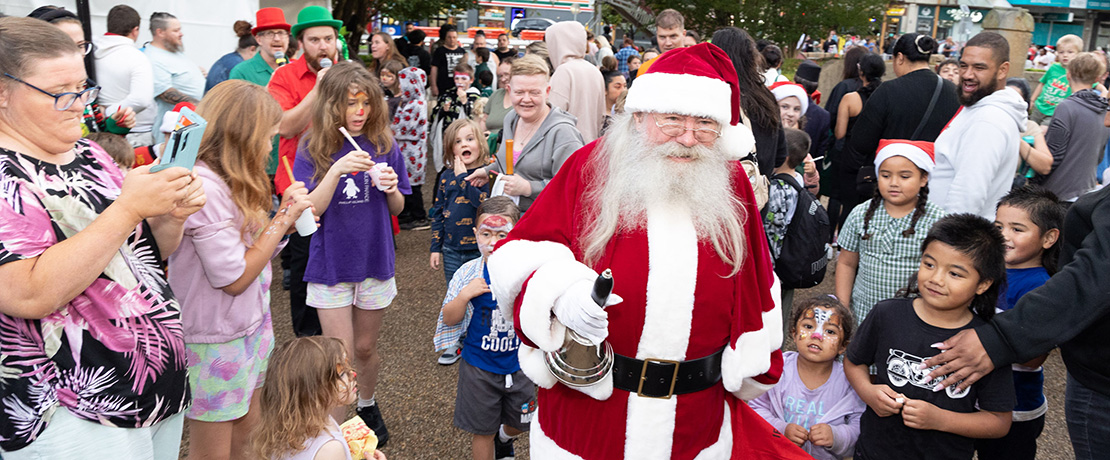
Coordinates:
column 643, row 378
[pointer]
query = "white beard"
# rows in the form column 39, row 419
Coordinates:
column 634, row 175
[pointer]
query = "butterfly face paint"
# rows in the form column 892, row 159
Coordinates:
column 491, row 229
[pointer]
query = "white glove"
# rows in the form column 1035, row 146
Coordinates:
column 578, row 312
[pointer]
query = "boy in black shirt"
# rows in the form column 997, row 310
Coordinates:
column 910, row 415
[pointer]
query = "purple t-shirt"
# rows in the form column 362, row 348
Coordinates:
column 355, row 239
column 834, row 403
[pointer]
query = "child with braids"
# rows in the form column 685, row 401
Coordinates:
column 881, row 239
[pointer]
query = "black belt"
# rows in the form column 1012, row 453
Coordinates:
column 661, row 378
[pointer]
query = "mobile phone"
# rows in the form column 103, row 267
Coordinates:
column 183, row 143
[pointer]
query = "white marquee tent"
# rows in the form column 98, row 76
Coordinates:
column 205, row 23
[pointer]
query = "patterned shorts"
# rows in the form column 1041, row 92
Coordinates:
column 223, row 375
column 370, row 294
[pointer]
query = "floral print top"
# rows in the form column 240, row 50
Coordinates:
column 112, row 355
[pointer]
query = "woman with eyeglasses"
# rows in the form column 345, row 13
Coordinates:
column 90, row 333
column 543, row 136
column 120, row 120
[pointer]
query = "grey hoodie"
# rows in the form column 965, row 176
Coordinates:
column 1077, row 139
column 977, row 155
column 555, row 140
column 577, row 86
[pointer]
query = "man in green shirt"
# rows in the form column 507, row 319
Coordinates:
column 272, row 33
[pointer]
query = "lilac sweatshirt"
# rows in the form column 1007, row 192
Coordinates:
column 834, row 403
column 210, row 257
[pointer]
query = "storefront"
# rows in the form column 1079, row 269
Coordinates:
column 960, row 23
column 892, row 23
column 1089, row 19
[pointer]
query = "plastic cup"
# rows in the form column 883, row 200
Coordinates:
column 376, row 173
column 306, row 223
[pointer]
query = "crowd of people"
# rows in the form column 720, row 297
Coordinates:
column 962, row 211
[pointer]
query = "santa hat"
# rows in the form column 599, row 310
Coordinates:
column 785, row 89
column 919, row 152
column 697, row 81
column 171, row 119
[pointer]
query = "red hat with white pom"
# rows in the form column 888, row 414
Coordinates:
column 785, row 89
column 919, row 152
column 697, row 81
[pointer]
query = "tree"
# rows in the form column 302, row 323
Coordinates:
column 356, row 14
column 781, row 22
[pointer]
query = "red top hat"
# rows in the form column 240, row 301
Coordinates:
column 270, row 18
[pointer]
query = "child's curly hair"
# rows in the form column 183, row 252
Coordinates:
column 303, row 382
column 847, row 322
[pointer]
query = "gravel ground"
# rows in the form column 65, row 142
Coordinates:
column 417, row 395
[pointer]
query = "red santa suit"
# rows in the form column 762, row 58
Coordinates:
column 680, row 300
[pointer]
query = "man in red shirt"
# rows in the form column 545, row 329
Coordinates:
column 294, row 85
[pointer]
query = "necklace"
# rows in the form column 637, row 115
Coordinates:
column 527, row 136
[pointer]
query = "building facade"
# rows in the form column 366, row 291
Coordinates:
column 1089, row 19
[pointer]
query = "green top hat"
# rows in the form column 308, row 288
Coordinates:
column 312, row 16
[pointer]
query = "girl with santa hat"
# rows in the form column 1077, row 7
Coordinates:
column 880, row 244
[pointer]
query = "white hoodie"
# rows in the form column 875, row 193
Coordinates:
column 125, row 78
column 977, row 155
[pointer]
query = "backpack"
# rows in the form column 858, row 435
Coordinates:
column 802, row 261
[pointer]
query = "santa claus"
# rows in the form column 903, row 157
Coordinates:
column 694, row 319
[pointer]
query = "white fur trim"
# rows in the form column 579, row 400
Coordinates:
column 752, row 354
column 511, row 264
column 542, row 447
column 533, row 365
column 738, row 140
column 751, row 389
column 672, row 279
column 722, row 449
column 548, row 283
column 775, row 315
column 649, row 430
column 692, row 95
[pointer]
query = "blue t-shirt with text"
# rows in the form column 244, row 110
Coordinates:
column 490, row 343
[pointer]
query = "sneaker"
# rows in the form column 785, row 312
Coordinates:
column 503, row 450
column 372, row 416
column 422, row 224
column 407, row 225
column 451, row 355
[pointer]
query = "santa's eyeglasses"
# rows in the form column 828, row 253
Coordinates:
column 705, row 130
